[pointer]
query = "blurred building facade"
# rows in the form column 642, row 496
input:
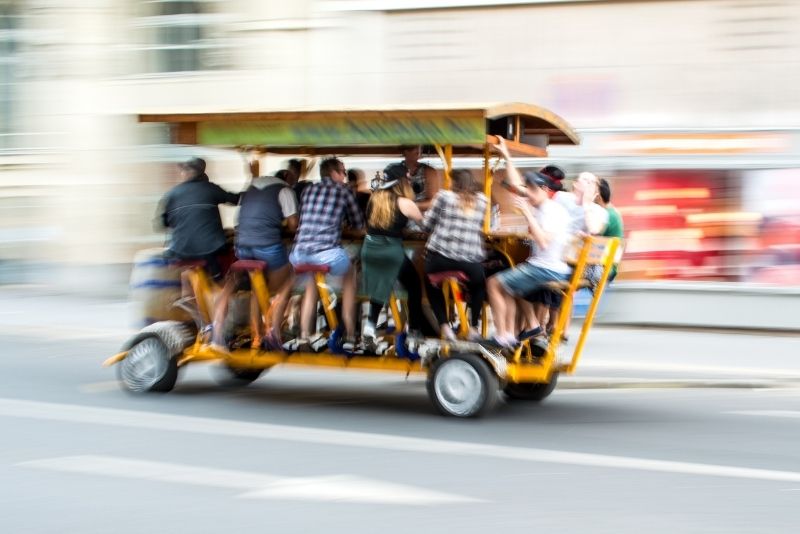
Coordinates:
column 669, row 95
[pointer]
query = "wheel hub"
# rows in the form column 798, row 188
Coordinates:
column 458, row 387
column 145, row 364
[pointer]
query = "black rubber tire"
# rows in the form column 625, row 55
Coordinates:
column 486, row 377
column 531, row 392
column 156, row 349
column 163, row 341
column 232, row 377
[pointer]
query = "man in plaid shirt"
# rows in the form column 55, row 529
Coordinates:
column 324, row 206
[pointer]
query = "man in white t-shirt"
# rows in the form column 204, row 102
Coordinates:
column 548, row 224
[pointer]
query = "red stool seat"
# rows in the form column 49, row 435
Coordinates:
column 188, row 264
column 436, row 279
column 249, row 265
column 303, row 268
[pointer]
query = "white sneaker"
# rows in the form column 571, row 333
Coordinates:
column 447, row 333
column 368, row 330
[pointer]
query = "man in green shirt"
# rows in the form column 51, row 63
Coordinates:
column 615, row 227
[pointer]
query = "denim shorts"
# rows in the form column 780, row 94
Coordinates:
column 336, row 259
column 274, row 255
column 526, row 278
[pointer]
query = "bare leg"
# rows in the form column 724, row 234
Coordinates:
column 280, row 284
column 221, row 310
column 527, row 314
column 497, row 302
column 511, row 315
column 349, row 302
column 308, row 309
column 542, row 313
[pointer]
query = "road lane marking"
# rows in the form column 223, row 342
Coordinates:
column 338, row 488
column 789, row 414
column 223, row 427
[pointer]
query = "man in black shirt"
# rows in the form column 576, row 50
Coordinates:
column 423, row 179
column 190, row 211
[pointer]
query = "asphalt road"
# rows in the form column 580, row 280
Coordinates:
column 319, row 451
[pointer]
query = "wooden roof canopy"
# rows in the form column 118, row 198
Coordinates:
column 375, row 131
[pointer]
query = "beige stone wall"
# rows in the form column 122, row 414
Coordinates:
column 606, row 64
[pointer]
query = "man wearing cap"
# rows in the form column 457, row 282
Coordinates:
column 556, row 175
column 190, row 211
column 422, row 178
column 542, row 301
column 548, row 224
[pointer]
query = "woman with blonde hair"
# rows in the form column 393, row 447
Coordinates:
column 383, row 260
column 455, row 222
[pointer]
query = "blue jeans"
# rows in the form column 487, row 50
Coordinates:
column 274, row 255
column 525, row 278
column 335, row 258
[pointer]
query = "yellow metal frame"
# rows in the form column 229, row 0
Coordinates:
column 201, row 287
column 325, row 299
column 608, row 265
column 446, row 155
column 260, row 295
column 519, row 369
column 399, row 324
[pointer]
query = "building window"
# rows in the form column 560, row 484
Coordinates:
column 9, row 59
column 180, row 35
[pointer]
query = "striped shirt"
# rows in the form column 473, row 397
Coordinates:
column 456, row 234
column 323, row 207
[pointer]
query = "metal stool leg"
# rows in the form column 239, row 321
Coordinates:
column 260, row 296
column 398, row 318
column 325, row 299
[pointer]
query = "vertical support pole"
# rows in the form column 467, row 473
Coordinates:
column 325, row 299
column 608, row 263
column 398, row 319
column 261, row 294
column 487, row 190
column 566, row 306
column 200, row 287
column 448, row 165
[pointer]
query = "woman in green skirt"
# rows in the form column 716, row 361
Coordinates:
column 383, row 260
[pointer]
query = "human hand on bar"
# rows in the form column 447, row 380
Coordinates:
column 502, row 147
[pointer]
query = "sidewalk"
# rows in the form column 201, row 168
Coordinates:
column 610, row 353
column 31, row 311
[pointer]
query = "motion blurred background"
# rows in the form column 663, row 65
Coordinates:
column 690, row 108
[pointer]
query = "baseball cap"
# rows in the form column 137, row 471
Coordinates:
column 536, row 178
column 394, row 171
column 556, row 175
column 381, row 183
